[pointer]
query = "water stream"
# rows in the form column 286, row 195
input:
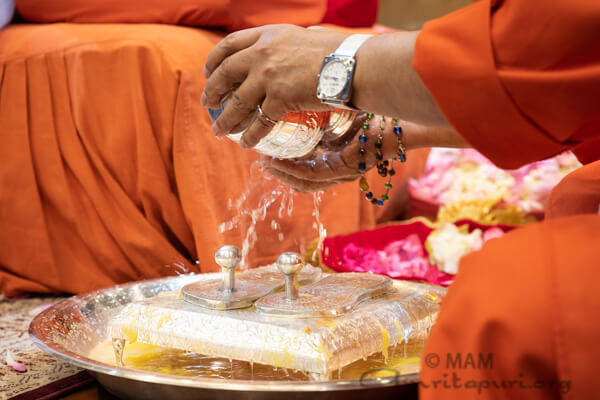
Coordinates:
column 269, row 191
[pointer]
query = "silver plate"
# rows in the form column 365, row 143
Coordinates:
column 71, row 328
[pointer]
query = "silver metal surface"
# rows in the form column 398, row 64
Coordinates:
column 228, row 257
column 290, row 264
column 329, row 297
column 71, row 328
column 250, row 285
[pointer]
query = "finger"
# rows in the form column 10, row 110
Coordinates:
column 229, row 74
column 262, row 124
column 231, row 44
column 240, row 108
column 320, row 167
column 301, row 185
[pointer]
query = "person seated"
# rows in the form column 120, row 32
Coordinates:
column 110, row 172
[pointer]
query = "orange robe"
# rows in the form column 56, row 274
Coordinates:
column 520, row 80
column 110, row 173
column 229, row 14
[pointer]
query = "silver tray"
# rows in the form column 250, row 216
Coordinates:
column 71, row 328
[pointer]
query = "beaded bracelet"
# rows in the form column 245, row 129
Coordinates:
column 385, row 168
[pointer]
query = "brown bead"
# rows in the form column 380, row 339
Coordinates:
column 364, row 185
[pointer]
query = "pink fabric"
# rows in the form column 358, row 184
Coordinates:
column 394, row 250
column 400, row 259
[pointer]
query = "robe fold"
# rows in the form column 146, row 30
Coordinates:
column 110, row 172
column 520, row 81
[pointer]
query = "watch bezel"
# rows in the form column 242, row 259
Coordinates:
column 344, row 94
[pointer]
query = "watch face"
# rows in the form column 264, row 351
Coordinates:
column 333, row 79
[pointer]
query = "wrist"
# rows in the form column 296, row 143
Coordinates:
column 337, row 72
column 381, row 73
column 386, row 83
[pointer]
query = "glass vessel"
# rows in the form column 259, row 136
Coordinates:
column 297, row 134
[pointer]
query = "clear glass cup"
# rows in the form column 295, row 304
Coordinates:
column 297, row 134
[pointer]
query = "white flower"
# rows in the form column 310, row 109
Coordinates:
column 447, row 245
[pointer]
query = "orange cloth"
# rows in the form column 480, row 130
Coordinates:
column 230, row 14
column 534, row 311
column 520, row 81
column 109, row 170
column 577, row 193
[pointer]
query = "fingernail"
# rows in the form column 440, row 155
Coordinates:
column 203, row 99
column 206, row 72
column 215, row 129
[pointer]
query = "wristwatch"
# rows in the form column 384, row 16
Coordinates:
column 337, row 71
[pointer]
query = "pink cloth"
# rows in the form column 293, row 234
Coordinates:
column 394, row 250
column 400, row 259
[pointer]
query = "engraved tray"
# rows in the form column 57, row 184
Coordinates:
column 71, row 328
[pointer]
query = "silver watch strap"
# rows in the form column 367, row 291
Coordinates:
column 351, row 44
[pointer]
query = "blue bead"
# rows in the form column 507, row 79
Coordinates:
column 362, row 138
column 369, row 196
column 379, row 202
column 397, row 130
column 402, row 157
column 362, row 167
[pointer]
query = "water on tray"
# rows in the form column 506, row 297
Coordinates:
column 401, row 359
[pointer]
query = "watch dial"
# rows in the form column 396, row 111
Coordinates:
column 333, row 79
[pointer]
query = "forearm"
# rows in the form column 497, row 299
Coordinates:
column 419, row 136
column 386, row 83
column 414, row 136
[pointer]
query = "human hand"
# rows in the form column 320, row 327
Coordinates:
column 333, row 163
column 274, row 66
column 321, row 170
column 328, row 165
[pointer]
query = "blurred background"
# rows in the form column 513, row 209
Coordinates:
column 412, row 14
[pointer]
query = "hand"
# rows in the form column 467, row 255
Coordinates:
column 274, row 66
column 334, row 163
column 323, row 169
column 328, row 165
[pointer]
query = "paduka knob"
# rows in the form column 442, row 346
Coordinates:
column 228, row 257
column 290, row 265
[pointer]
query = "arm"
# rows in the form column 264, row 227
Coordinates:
column 518, row 79
column 277, row 66
column 386, row 83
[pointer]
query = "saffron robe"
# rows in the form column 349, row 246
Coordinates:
column 520, row 81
